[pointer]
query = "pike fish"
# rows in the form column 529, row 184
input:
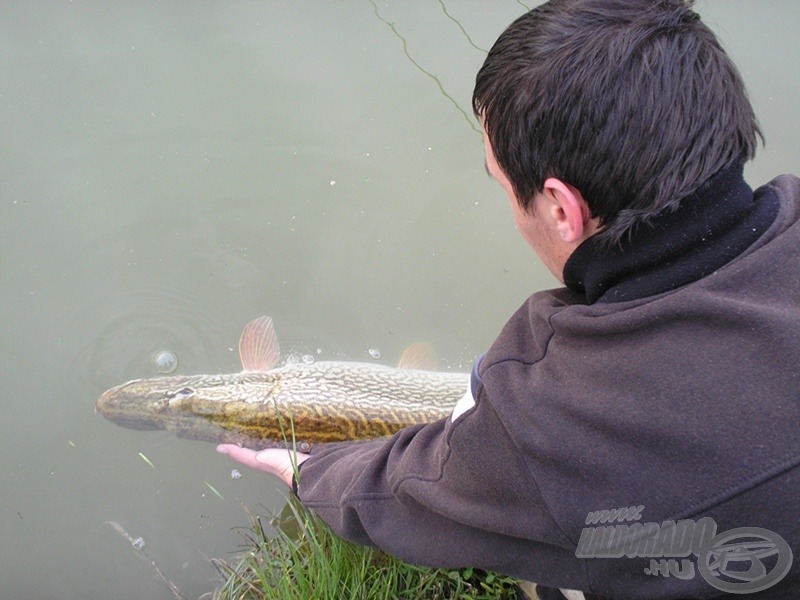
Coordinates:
column 268, row 406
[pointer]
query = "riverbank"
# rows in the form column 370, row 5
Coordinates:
column 306, row 560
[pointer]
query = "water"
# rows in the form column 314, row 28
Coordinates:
column 168, row 172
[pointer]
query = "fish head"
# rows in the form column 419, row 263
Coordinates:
column 160, row 402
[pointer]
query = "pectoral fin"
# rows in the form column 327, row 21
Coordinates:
column 258, row 346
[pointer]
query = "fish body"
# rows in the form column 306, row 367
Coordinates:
column 312, row 404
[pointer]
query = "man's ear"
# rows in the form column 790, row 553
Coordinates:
column 568, row 210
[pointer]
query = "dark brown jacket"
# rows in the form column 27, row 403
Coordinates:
column 679, row 397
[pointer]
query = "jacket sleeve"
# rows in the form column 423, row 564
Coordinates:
column 447, row 494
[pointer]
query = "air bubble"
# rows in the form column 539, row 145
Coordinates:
column 165, row 362
column 375, row 353
column 307, row 359
column 235, row 474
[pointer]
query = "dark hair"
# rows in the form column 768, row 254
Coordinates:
column 634, row 102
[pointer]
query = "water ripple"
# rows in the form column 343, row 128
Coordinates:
column 122, row 344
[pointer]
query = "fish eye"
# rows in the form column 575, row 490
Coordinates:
column 184, row 393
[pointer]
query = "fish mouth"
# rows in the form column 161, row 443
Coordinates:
column 133, row 423
column 121, row 410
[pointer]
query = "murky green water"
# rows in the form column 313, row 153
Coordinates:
column 170, row 171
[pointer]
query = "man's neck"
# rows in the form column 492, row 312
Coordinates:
column 709, row 228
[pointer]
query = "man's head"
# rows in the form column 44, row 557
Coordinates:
column 632, row 102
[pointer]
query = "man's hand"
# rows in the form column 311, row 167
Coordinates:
column 277, row 462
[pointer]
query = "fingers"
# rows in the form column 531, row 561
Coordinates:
column 243, row 455
column 274, row 461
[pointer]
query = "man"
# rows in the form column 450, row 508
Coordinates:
column 622, row 430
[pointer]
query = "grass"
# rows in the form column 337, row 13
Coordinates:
column 306, row 560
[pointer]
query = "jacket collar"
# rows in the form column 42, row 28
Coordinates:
column 709, row 228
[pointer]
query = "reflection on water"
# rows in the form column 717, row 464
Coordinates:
column 169, row 173
column 467, row 118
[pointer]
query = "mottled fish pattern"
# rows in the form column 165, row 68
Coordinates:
column 265, row 405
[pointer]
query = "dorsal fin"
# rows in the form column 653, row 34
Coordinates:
column 419, row 356
column 258, row 346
